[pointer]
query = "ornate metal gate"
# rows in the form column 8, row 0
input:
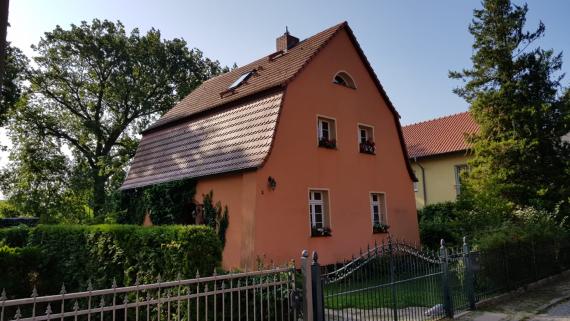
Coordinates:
column 393, row 281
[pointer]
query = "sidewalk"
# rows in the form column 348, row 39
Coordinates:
column 549, row 301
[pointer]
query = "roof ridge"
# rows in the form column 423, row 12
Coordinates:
column 436, row 119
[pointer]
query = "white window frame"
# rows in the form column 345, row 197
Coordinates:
column 381, row 220
column 369, row 133
column 326, row 206
column 339, row 73
column 332, row 127
column 323, row 121
column 457, row 169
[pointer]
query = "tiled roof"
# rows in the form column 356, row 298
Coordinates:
column 269, row 73
column 230, row 140
column 440, row 135
column 190, row 141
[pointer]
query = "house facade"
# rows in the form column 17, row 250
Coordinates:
column 439, row 152
column 303, row 146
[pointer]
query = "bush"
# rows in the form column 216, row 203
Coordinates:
column 100, row 253
column 19, row 270
column 517, row 253
column 15, row 236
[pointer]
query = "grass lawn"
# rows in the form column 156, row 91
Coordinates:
column 425, row 291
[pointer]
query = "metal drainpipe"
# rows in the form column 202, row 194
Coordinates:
column 423, row 180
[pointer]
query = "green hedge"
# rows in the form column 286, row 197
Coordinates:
column 101, row 253
column 19, row 269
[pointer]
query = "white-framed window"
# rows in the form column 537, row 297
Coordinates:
column 326, row 132
column 324, row 128
column 459, row 169
column 319, row 212
column 343, row 78
column 366, row 139
column 378, row 208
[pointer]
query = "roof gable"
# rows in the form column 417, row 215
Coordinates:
column 184, row 142
column 270, row 71
column 439, row 136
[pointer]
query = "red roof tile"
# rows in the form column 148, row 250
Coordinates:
column 230, row 140
column 190, row 141
column 269, row 73
column 440, row 135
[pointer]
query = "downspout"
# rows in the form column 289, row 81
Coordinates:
column 423, row 180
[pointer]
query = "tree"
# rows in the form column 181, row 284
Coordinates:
column 516, row 97
column 11, row 89
column 95, row 88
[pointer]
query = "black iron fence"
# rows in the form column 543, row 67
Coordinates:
column 398, row 281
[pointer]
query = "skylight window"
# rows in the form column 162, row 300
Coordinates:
column 240, row 80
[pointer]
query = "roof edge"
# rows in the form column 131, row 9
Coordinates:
column 215, row 109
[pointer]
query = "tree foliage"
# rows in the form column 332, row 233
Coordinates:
column 12, row 85
column 516, row 97
column 93, row 89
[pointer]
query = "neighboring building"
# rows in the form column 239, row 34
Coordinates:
column 303, row 146
column 439, row 152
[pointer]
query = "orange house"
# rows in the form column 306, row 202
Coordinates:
column 303, row 146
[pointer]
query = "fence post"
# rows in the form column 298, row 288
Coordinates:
column 447, row 303
column 307, row 288
column 469, row 274
column 393, row 279
column 318, row 296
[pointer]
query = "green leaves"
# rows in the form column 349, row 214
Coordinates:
column 93, row 88
column 516, row 98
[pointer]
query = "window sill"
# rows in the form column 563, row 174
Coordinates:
column 380, row 232
column 329, row 144
column 321, row 235
column 326, row 232
column 367, row 152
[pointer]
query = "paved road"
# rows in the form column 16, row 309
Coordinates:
column 559, row 312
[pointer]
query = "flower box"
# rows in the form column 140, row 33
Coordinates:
column 380, row 228
column 368, row 147
column 327, row 143
column 320, row 231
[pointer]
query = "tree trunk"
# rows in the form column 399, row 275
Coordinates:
column 98, row 193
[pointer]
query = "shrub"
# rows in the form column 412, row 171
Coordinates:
column 14, row 236
column 78, row 254
column 19, row 270
column 518, row 253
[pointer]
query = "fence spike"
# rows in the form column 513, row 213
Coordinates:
column 197, row 274
column 3, row 295
column 18, row 314
column 62, row 291
column 158, row 278
column 148, row 296
column 178, row 276
column 442, row 243
column 137, row 281
column 48, row 309
column 89, row 285
column 114, row 285
column 223, row 285
column 34, row 292
column 102, row 304
column 126, row 299
column 315, row 257
column 76, row 306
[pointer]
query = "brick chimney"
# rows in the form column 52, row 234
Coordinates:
column 286, row 41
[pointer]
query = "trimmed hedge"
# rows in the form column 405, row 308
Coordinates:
column 75, row 254
column 19, row 269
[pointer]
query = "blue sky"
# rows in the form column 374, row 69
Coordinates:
column 411, row 44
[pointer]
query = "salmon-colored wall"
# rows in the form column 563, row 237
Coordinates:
column 237, row 192
column 297, row 164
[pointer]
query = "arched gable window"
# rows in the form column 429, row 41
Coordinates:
column 342, row 78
